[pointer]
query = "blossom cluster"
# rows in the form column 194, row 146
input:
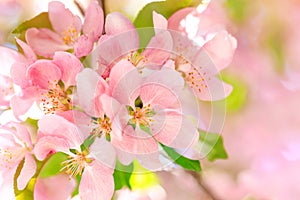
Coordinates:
column 100, row 97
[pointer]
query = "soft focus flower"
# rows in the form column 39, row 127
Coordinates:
column 203, row 48
column 47, row 82
column 16, row 145
column 67, row 31
column 158, row 117
column 112, row 46
column 94, row 163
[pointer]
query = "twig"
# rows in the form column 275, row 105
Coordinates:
column 81, row 10
column 199, row 180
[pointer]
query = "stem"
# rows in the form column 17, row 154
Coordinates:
column 79, row 7
column 204, row 187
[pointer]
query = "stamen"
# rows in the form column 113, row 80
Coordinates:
column 55, row 100
column 70, row 35
column 142, row 116
column 102, row 126
column 75, row 164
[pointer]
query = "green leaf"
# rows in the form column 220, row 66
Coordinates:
column 184, row 162
column 122, row 175
column 138, row 103
column 165, row 8
column 39, row 21
column 76, row 191
column 212, row 146
column 87, row 143
column 53, row 165
column 145, row 129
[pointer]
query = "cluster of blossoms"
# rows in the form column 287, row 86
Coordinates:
column 101, row 98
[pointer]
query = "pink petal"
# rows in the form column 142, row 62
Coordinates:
column 117, row 23
column 47, row 145
column 6, row 90
column 216, row 90
column 42, row 72
column 27, row 171
column 158, row 50
column 112, row 48
column 107, row 105
column 124, row 157
column 174, row 22
column 159, row 21
column 28, row 52
column 18, row 74
column 178, row 132
column 107, row 159
column 150, row 161
column 61, row 128
column 47, row 188
column 221, row 49
column 89, row 85
column 69, row 66
column 8, row 57
column 22, row 133
column 135, row 142
column 62, row 18
column 124, row 80
column 45, row 42
column 20, row 105
column 97, row 182
column 83, row 46
column 94, row 13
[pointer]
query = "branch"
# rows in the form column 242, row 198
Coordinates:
column 200, row 182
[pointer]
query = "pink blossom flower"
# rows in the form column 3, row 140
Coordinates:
column 121, row 41
column 203, row 48
column 158, row 117
column 16, row 145
column 94, row 163
column 47, row 82
column 8, row 57
column 67, row 31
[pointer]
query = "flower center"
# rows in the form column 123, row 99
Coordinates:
column 70, row 35
column 103, row 126
column 195, row 79
column 142, row 116
column 192, row 76
column 9, row 157
column 55, row 99
column 75, row 164
column 136, row 58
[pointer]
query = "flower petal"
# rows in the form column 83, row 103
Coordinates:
column 94, row 13
column 97, row 182
column 89, row 85
column 61, row 128
column 158, row 50
column 69, row 66
column 47, row 145
column 97, row 149
column 45, row 42
column 27, row 171
column 28, row 52
column 62, row 18
column 42, row 72
column 83, row 46
column 46, row 188
column 20, row 105
column 123, row 81
column 117, row 23
column 174, row 22
column 221, row 49
column 159, row 21
column 18, row 74
column 8, row 57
